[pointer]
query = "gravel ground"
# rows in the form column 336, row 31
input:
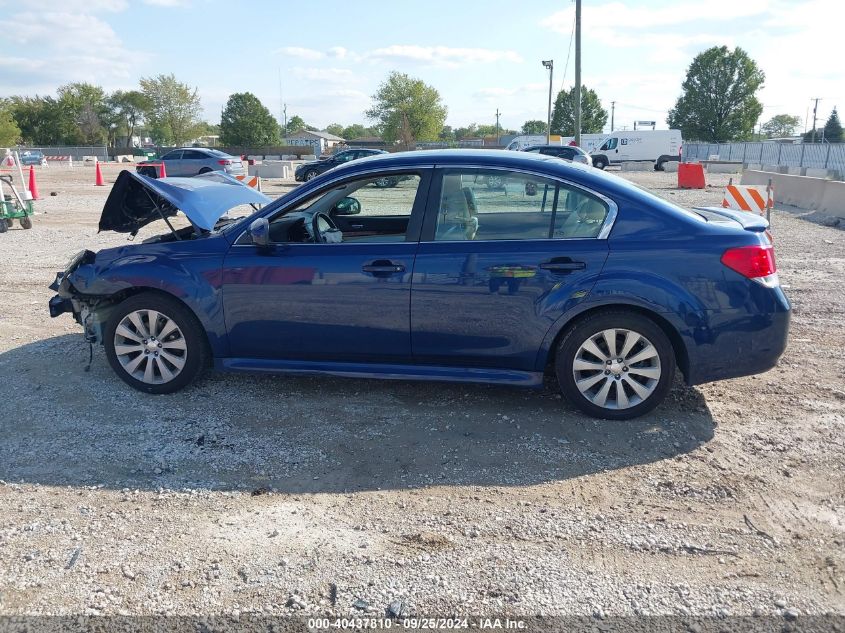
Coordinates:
column 281, row 495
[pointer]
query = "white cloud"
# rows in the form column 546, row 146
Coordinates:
column 323, row 74
column 337, row 52
column 65, row 51
column 68, row 6
column 442, row 55
column 300, row 52
column 168, row 3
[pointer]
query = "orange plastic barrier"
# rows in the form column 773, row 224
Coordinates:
column 691, row 176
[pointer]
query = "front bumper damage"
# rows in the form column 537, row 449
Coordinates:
column 91, row 312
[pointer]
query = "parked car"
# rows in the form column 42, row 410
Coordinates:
column 191, row 161
column 312, row 169
column 32, row 157
column 566, row 152
column 566, row 270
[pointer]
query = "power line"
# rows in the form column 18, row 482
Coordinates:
column 568, row 53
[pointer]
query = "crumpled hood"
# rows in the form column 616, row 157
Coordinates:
column 137, row 200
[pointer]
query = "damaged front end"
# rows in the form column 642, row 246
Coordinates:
column 90, row 311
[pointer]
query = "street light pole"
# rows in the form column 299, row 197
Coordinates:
column 550, row 64
column 578, row 73
column 497, row 126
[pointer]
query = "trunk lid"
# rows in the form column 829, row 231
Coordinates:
column 748, row 221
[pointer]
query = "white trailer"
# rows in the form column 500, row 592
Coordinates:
column 654, row 146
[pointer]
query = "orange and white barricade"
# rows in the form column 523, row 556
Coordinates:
column 254, row 182
column 753, row 198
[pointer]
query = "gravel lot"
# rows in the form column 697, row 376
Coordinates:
column 320, row 495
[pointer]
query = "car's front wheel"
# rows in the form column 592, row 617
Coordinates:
column 155, row 344
column 615, row 365
column 601, row 163
column 311, row 174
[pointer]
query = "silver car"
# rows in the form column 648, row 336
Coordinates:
column 190, row 161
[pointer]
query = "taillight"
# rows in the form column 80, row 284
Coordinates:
column 224, row 162
column 757, row 263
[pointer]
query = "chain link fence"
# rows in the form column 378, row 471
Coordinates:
column 76, row 152
column 812, row 155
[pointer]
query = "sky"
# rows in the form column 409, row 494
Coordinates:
column 326, row 59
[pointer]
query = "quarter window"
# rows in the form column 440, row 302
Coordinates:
column 501, row 205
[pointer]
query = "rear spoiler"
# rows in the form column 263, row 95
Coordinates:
column 748, row 221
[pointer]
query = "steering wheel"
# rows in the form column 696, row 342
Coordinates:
column 319, row 236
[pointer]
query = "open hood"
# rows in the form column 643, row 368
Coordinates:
column 137, row 200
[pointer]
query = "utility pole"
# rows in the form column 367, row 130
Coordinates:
column 578, row 73
column 815, row 109
column 612, row 113
column 550, row 64
column 497, row 126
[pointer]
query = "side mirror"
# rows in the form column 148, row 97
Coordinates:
column 259, row 231
column 347, row 206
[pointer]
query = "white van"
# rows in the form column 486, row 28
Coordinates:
column 655, row 146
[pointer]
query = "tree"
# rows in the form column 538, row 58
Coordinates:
column 533, row 127
column 295, row 124
column 356, row 130
column 129, row 108
column 593, row 116
column 833, row 128
column 10, row 133
column 335, row 128
column 174, row 109
column 407, row 109
column 43, row 120
column 781, row 125
column 85, row 104
column 470, row 131
column 719, row 102
column 246, row 122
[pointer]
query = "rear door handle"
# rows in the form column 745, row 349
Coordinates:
column 563, row 266
column 383, row 266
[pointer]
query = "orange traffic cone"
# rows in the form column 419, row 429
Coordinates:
column 162, row 170
column 99, row 176
column 33, row 188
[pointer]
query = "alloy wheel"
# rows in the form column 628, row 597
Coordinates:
column 150, row 347
column 616, row 368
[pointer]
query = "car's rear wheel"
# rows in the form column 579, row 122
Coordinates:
column 311, row 174
column 615, row 365
column 155, row 344
column 205, row 170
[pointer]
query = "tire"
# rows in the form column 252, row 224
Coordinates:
column 3, row 226
column 205, row 170
column 386, row 182
column 26, row 222
column 495, row 182
column 184, row 349
column 658, row 166
column 644, row 383
column 600, row 163
column 311, row 174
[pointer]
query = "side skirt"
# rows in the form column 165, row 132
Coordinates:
column 384, row 371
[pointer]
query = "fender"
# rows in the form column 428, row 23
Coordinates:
column 670, row 302
column 194, row 280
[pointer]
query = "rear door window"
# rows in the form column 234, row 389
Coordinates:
column 481, row 205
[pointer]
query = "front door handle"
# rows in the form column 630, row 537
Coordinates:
column 562, row 267
column 383, row 266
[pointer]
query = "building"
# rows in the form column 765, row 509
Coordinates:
column 320, row 141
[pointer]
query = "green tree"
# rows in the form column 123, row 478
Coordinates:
column 718, row 101
column 356, row 130
column 86, row 105
column 833, row 128
column 447, row 134
column 407, row 109
column 593, row 116
column 534, row 126
column 174, row 109
column 336, row 129
column 43, row 120
column 295, row 124
column 246, row 122
column 129, row 109
column 10, row 133
column 469, row 131
column 781, row 125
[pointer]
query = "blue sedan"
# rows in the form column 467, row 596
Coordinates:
column 479, row 266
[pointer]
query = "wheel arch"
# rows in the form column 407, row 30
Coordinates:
column 550, row 345
column 122, row 295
